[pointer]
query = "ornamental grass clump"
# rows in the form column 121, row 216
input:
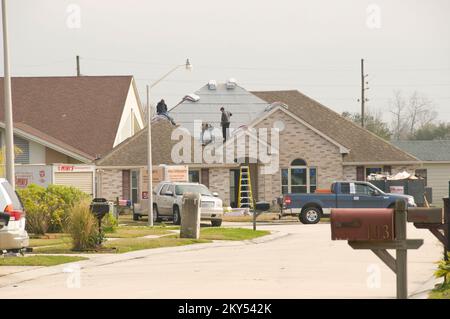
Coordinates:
column 82, row 226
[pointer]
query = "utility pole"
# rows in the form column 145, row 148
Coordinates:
column 78, row 66
column 363, row 89
column 9, row 134
column 149, row 160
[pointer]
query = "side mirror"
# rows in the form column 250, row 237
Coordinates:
column 168, row 193
column 375, row 193
column 215, row 194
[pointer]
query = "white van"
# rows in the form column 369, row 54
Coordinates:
column 13, row 236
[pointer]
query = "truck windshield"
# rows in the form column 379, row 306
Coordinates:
column 201, row 189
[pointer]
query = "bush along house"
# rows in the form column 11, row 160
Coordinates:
column 62, row 124
column 289, row 143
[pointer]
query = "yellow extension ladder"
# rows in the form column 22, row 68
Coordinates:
column 245, row 198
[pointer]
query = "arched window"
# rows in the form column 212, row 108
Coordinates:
column 298, row 178
column 298, row 162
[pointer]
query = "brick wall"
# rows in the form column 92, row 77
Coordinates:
column 110, row 183
column 298, row 141
column 219, row 181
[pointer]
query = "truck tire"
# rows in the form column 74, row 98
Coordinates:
column 176, row 216
column 135, row 217
column 156, row 218
column 310, row 215
column 216, row 222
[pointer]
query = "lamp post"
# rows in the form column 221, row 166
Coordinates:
column 9, row 135
column 188, row 67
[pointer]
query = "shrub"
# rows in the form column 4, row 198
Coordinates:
column 82, row 226
column 109, row 223
column 443, row 270
column 48, row 208
column 38, row 214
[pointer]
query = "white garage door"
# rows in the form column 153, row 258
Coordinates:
column 80, row 180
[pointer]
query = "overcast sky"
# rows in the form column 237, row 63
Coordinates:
column 313, row 46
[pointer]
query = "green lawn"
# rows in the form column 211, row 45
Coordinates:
column 39, row 260
column 128, row 241
column 127, row 245
column 219, row 233
column 442, row 292
column 139, row 231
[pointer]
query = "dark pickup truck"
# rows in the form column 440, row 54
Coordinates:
column 342, row 195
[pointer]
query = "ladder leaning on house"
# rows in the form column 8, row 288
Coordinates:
column 245, row 198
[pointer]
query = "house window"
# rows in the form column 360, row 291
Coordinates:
column 134, row 186
column 298, row 178
column 194, row 176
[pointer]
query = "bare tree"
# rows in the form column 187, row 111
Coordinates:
column 410, row 115
column 421, row 112
column 398, row 109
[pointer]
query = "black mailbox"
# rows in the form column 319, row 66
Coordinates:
column 99, row 207
column 262, row 206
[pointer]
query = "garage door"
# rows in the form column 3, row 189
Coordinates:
column 80, row 180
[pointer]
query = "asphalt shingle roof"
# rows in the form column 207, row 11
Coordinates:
column 133, row 151
column 364, row 146
column 83, row 112
column 438, row 150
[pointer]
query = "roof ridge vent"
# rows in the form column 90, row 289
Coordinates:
column 212, row 85
column 191, row 97
column 231, row 83
column 276, row 104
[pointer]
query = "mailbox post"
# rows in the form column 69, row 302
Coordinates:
column 190, row 216
column 378, row 230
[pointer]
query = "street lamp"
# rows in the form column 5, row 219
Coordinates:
column 187, row 66
column 9, row 135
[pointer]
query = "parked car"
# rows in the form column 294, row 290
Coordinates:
column 167, row 202
column 13, row 236
column 341, row 195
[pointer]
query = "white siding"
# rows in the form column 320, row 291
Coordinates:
column 126, row 123
column 37, row 153
column 438, row 176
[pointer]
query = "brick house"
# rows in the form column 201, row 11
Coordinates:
column 316, row 145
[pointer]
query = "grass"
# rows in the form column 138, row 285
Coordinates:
column 39, row 260
column 126, row 244
column 49, row 240
column 139, row 231
column 214, row 233
column 441, row 292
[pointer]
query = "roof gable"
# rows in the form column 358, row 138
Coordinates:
column 83, row 112
column 244, row 106
column 364, row 146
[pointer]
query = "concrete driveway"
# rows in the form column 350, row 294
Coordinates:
column 297, row 261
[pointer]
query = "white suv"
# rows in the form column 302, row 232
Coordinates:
column 167, row 203
column 13, row 236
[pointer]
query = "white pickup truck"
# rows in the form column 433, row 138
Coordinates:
column 167, row 202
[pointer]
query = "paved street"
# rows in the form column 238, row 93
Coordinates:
column 298, row 261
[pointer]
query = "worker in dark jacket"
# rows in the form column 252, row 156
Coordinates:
column 225, row 123
column 161, row 109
